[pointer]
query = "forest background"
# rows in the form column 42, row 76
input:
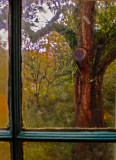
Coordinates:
column 48, row 70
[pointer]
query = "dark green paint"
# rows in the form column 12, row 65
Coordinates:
column 15, row 77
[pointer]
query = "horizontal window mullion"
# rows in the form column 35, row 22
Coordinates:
column 5, row 135
column 83, row 135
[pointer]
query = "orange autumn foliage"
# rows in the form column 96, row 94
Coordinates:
column 3, row 111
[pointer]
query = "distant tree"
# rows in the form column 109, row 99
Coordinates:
column 47, row 83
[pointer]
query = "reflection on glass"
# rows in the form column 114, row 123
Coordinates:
column 4, row 151
column 3, row 63
column 61, row 89
column 68, row 151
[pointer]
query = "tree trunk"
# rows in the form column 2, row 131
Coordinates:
column 87, row 85
column 88, row 100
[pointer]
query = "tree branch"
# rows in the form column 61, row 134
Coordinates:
column 53, row 25
column 109, row 58
column 105, row 56
column 64, row 30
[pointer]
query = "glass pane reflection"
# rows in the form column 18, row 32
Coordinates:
column 69, row 151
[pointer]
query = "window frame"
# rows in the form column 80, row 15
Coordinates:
column 15, row 135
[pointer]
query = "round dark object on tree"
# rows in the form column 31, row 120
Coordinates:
column 79, row 54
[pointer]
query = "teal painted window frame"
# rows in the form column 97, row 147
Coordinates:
column 15, row 135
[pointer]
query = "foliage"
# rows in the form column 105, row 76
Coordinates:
column 109, row 95
column 105, row 22
column 53, row 151
column 3, row 88
column 48, row 68
column 48, row 84
column 36, row 25
column 4, row 14
column 63, row 151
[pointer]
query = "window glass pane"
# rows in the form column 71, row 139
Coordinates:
column 4, row 151
column 68, row 151
column 67, row 70
column 109, row 95
column 4, row 57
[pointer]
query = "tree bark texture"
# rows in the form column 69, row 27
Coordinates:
column 87, row 84
column 88, row 101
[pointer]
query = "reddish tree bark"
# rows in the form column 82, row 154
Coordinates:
column 87, row 85
column 88, row 100
column 88, row 78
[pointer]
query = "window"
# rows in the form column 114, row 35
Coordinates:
column 95, row 134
